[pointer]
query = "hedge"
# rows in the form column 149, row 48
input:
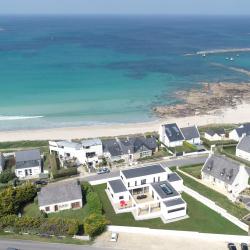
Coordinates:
column 38, row 225
column 64, row 172
column 6, row 176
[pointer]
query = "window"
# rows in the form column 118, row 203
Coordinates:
column 30, row 170
column 128, row 184
column 135, row 183
column 154, row 179
column 144, row 181
column 112, row 195
column 121, row 177
column 121, row 197
column 176, row 210
column 75, row 205
column 47, row 209
column 159, row 178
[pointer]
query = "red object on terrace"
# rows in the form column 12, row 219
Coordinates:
column 123, row 203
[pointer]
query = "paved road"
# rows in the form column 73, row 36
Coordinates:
column 184, row 161
column 33, row 245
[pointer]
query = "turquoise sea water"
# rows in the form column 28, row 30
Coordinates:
column 70, row 71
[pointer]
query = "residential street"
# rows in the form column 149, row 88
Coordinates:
column 166, row 163
column 33, row 245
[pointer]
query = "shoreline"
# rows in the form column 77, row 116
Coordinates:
column 239, row 114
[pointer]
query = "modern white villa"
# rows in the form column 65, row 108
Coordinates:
column 84, row 152
column 215, row 134
column 58, row 196
column 243, row 148
column 28, row 163
column 225, row 175
column 148, row 192
column 2, row 162
column 238, row 133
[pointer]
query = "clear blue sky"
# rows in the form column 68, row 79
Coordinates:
column 216, row 7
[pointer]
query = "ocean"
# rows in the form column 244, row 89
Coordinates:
column 61, row 71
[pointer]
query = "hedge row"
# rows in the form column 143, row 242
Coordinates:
column 64, row 172
column 51, row 226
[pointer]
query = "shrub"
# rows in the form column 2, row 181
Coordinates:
column 95, row 224
column 6, row 176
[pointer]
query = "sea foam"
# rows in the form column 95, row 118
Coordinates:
column 11, row 118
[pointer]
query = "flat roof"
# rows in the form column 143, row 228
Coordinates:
column 117, row 186
column 158, row 187
column 174, row 202
column 143, row 171
column 173, row 177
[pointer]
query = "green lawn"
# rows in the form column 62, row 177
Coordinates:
column 194, row 170
column 201, row 218
column 220, row 199
column 78, row 214
column 230, row 150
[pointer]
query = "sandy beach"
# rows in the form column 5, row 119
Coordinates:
column 230, row 115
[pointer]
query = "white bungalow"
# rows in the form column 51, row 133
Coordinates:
column 171, row 135
column 148, row 192
column 59, row 196
column 28, row 163
column 238, row 133
column 215, row 134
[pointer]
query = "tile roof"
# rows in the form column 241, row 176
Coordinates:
column 143, row 171
column 59, row 192
column 117, row 186
column 190, row 132
column 243, row 129
column 222, row 168
column 173, row 132
column 28, row 158
column 112, row 146
column 244, row 144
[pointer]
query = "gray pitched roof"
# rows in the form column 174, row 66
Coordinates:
column 160, row 191
column 91, row 142
column 174, row 202
column 244, row 144
column 59, row 192
column 117, row 186
column 219, row 131
column 243, row 129
column 143, row 171
column 222, row 168
column 28, row 158
column 173, row 132
column 190, row 132
column 173, row 177
column 112, row 146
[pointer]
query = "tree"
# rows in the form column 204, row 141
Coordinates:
column 6, row 176
column 94, row 203
column 95, row 224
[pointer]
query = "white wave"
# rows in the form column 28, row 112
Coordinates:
column 217, row 51
column 11, row 118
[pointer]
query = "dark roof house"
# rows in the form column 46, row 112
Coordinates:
column 173, row 132
column 58, row 192
column 218, row 131
column 243, row 130
column 117, row 186
column 28, row 158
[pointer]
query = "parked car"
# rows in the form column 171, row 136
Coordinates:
column 103, row 170
column 40, row 182
column 114, row 237
column 231, row 246
column 244, row 246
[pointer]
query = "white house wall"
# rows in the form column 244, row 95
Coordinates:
column 243, row 154
column 35, row 171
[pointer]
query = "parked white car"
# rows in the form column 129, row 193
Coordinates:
column 114, row 237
